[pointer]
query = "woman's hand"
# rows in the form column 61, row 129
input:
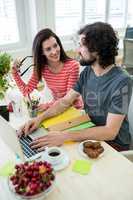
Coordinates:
column 15, row 66
column 29, row 127
column 54, row 138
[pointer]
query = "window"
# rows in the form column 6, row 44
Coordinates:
column 130, row 13
column 116, row 13
column 94, row 11
column 8, row 22
column 70, row 14
column 15, row 25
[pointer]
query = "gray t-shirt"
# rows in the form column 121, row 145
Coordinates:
column 109, row 93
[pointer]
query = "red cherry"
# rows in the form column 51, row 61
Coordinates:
column 33, row 179
column 17, row 188
column 40, row 162
column 17, row 166
column 14, row 181
column 48, row 185
column 32, row 192
column 12, row 178
column 29, row 173
column 41, row 185
column 33, row 186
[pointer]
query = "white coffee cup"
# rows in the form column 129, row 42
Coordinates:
column 54, row 155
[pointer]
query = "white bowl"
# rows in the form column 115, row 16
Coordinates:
column 39, row 196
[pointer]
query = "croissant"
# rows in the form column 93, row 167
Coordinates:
column 92, row 149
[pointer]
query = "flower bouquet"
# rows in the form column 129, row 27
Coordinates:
column 32, row 104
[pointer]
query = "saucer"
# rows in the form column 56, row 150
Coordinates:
column 62, row 164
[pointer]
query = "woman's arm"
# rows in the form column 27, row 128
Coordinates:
column 60, row 106
column 24, row 88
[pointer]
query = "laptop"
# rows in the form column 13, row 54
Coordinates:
column 19, row 146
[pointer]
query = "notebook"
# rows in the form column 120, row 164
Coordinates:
column 82, row 126
column 69, row 114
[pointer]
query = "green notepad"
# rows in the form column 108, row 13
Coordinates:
column 82, row 126
column 7, row 169
column 82, row 167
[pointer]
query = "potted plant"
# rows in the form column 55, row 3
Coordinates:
column 5, row 63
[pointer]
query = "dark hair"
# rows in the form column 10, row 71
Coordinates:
column 101, row 38
column 39, row 59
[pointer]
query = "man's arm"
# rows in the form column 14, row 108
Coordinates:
column 57, row 108
column 107, row 132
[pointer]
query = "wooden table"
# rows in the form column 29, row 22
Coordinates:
column 111, row 177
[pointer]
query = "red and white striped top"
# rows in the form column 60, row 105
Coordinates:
column 59, row 83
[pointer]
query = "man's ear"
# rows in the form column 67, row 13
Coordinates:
column 95, row 54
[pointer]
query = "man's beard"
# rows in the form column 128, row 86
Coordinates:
column 87, row 62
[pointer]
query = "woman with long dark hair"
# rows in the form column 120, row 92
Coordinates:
column 52, row 64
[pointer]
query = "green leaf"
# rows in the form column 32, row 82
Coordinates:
column 1, row 95
column 5, row 63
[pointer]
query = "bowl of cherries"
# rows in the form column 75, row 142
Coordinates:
column 32, row 180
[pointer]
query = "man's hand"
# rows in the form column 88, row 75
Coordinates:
column 29, row 127
column 54, row 138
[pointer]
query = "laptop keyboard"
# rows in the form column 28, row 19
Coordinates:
column 25, row 143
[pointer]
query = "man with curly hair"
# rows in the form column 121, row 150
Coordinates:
column 105, row 88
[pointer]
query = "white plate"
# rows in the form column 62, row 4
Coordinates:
column 64, row 162
column 80, row 149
